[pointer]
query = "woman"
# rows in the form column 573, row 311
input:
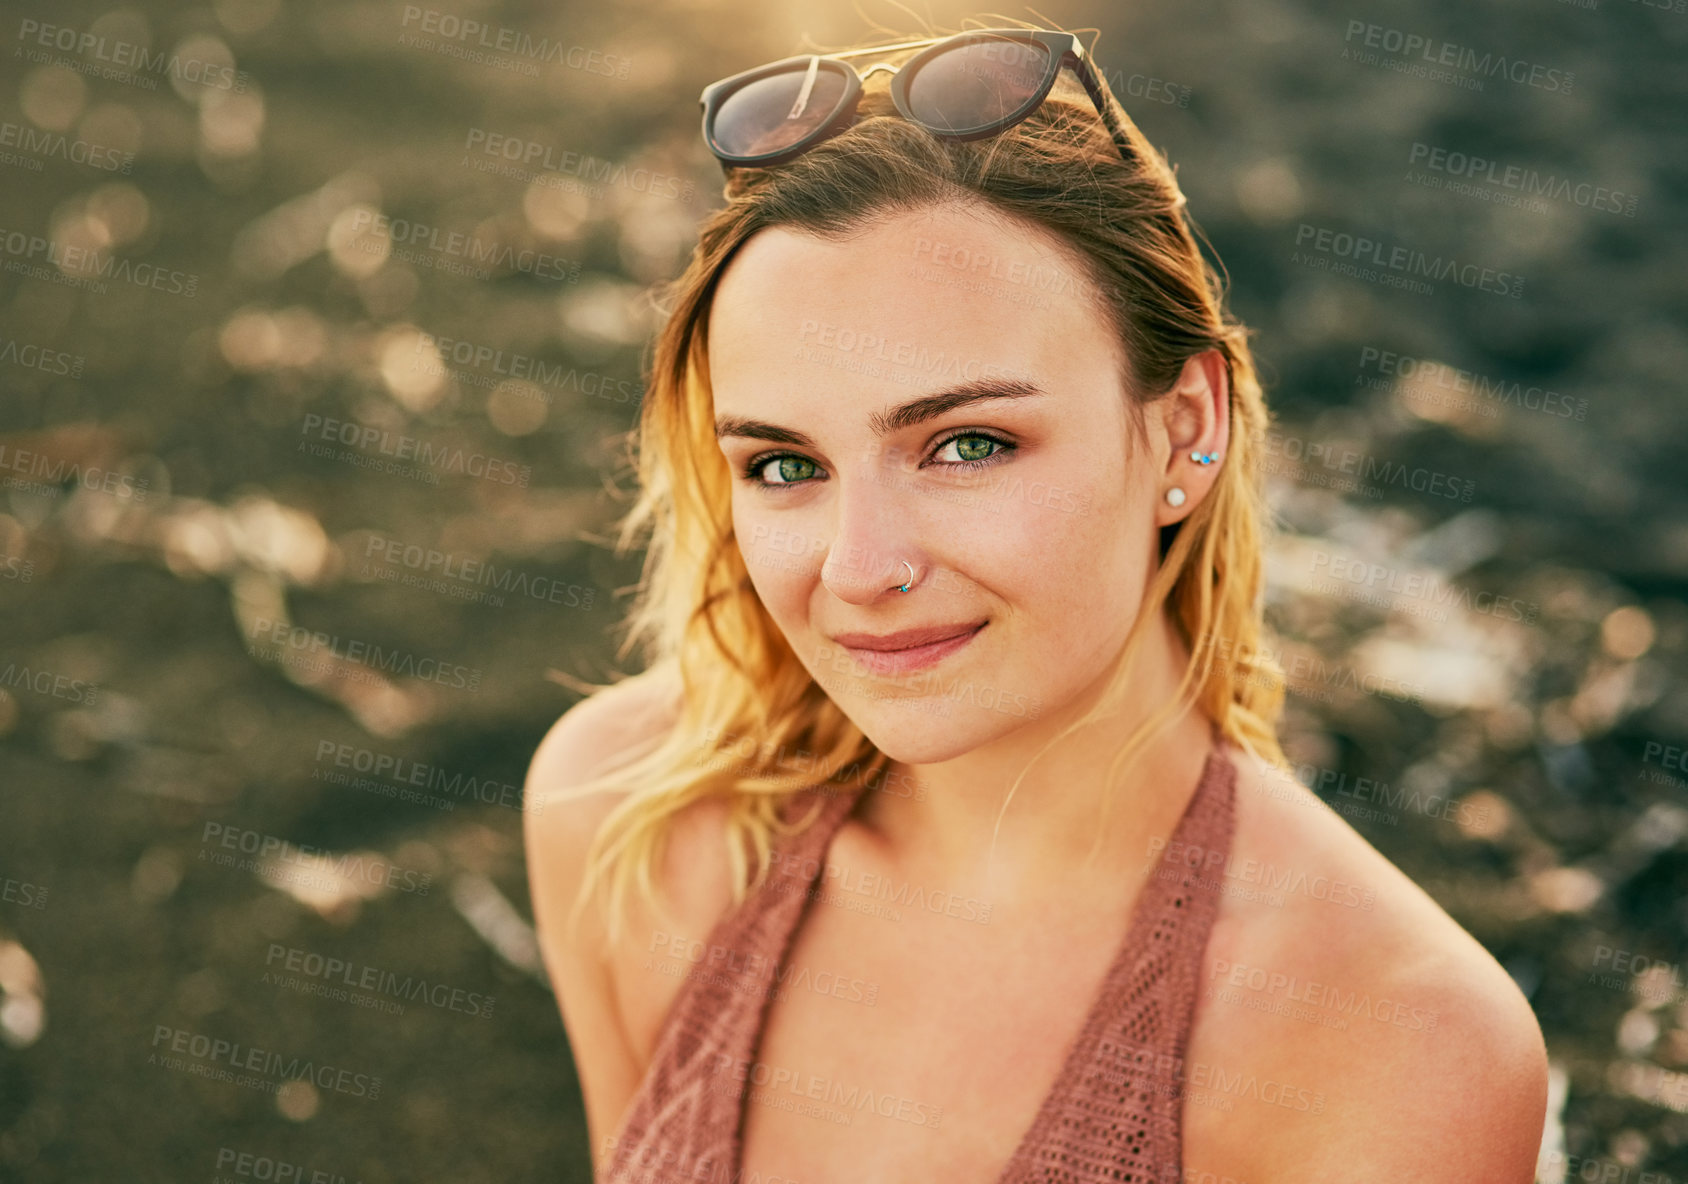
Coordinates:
column 963, row 845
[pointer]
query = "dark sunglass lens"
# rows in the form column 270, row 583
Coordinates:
column 977, row 83
column 773, row 113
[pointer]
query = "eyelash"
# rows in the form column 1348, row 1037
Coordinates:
column 754, row 467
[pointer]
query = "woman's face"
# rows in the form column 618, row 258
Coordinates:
column 937, row 390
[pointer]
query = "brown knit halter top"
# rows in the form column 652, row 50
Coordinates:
column 1114, row 1112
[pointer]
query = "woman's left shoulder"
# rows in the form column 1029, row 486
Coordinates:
column 1407, row 1051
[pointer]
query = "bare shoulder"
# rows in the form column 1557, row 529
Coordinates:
column 597, row 734
column 1346, row 1026
column 594, row 736
column 601, row 730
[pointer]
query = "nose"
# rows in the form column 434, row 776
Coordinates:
column 877, row 532
column 859, row 576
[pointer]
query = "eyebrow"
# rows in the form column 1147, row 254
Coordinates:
column 884, row 423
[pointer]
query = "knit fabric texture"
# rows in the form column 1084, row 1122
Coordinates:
column 1113, row 1115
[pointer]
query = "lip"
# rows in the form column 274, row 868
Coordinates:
column 908, row 649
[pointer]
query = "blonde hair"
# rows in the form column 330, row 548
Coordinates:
column 695, row 607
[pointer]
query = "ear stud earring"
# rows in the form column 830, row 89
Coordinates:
column 1175, row 496
column 1203, row 458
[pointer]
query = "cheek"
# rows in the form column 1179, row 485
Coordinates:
column 781, row 558
column 1078, row 577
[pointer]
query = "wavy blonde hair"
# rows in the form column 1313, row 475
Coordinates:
column 695, row 608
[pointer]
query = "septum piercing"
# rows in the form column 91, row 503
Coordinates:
column 910, row 580
column 1175, row 496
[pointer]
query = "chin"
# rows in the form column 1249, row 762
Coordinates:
column 924, row 729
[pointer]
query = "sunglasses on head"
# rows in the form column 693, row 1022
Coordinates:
column 965, row 87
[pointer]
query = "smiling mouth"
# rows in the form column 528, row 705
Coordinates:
column 914, row 657
column 904, row 639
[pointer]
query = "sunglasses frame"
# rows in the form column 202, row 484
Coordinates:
column 1062, row 49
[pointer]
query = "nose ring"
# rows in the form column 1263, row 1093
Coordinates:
column 910, row 580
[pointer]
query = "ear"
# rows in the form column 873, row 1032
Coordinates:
column 1194, row 417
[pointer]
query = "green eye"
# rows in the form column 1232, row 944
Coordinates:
column 973, row 450
column 790, row 469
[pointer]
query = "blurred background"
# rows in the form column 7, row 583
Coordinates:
column 319, row 324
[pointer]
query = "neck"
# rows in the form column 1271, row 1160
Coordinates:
column 947, row 826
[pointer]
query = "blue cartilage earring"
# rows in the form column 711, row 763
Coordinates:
column 908, row 582
column 1203, row 458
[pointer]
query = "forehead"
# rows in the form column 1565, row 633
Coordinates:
column 910, row 301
